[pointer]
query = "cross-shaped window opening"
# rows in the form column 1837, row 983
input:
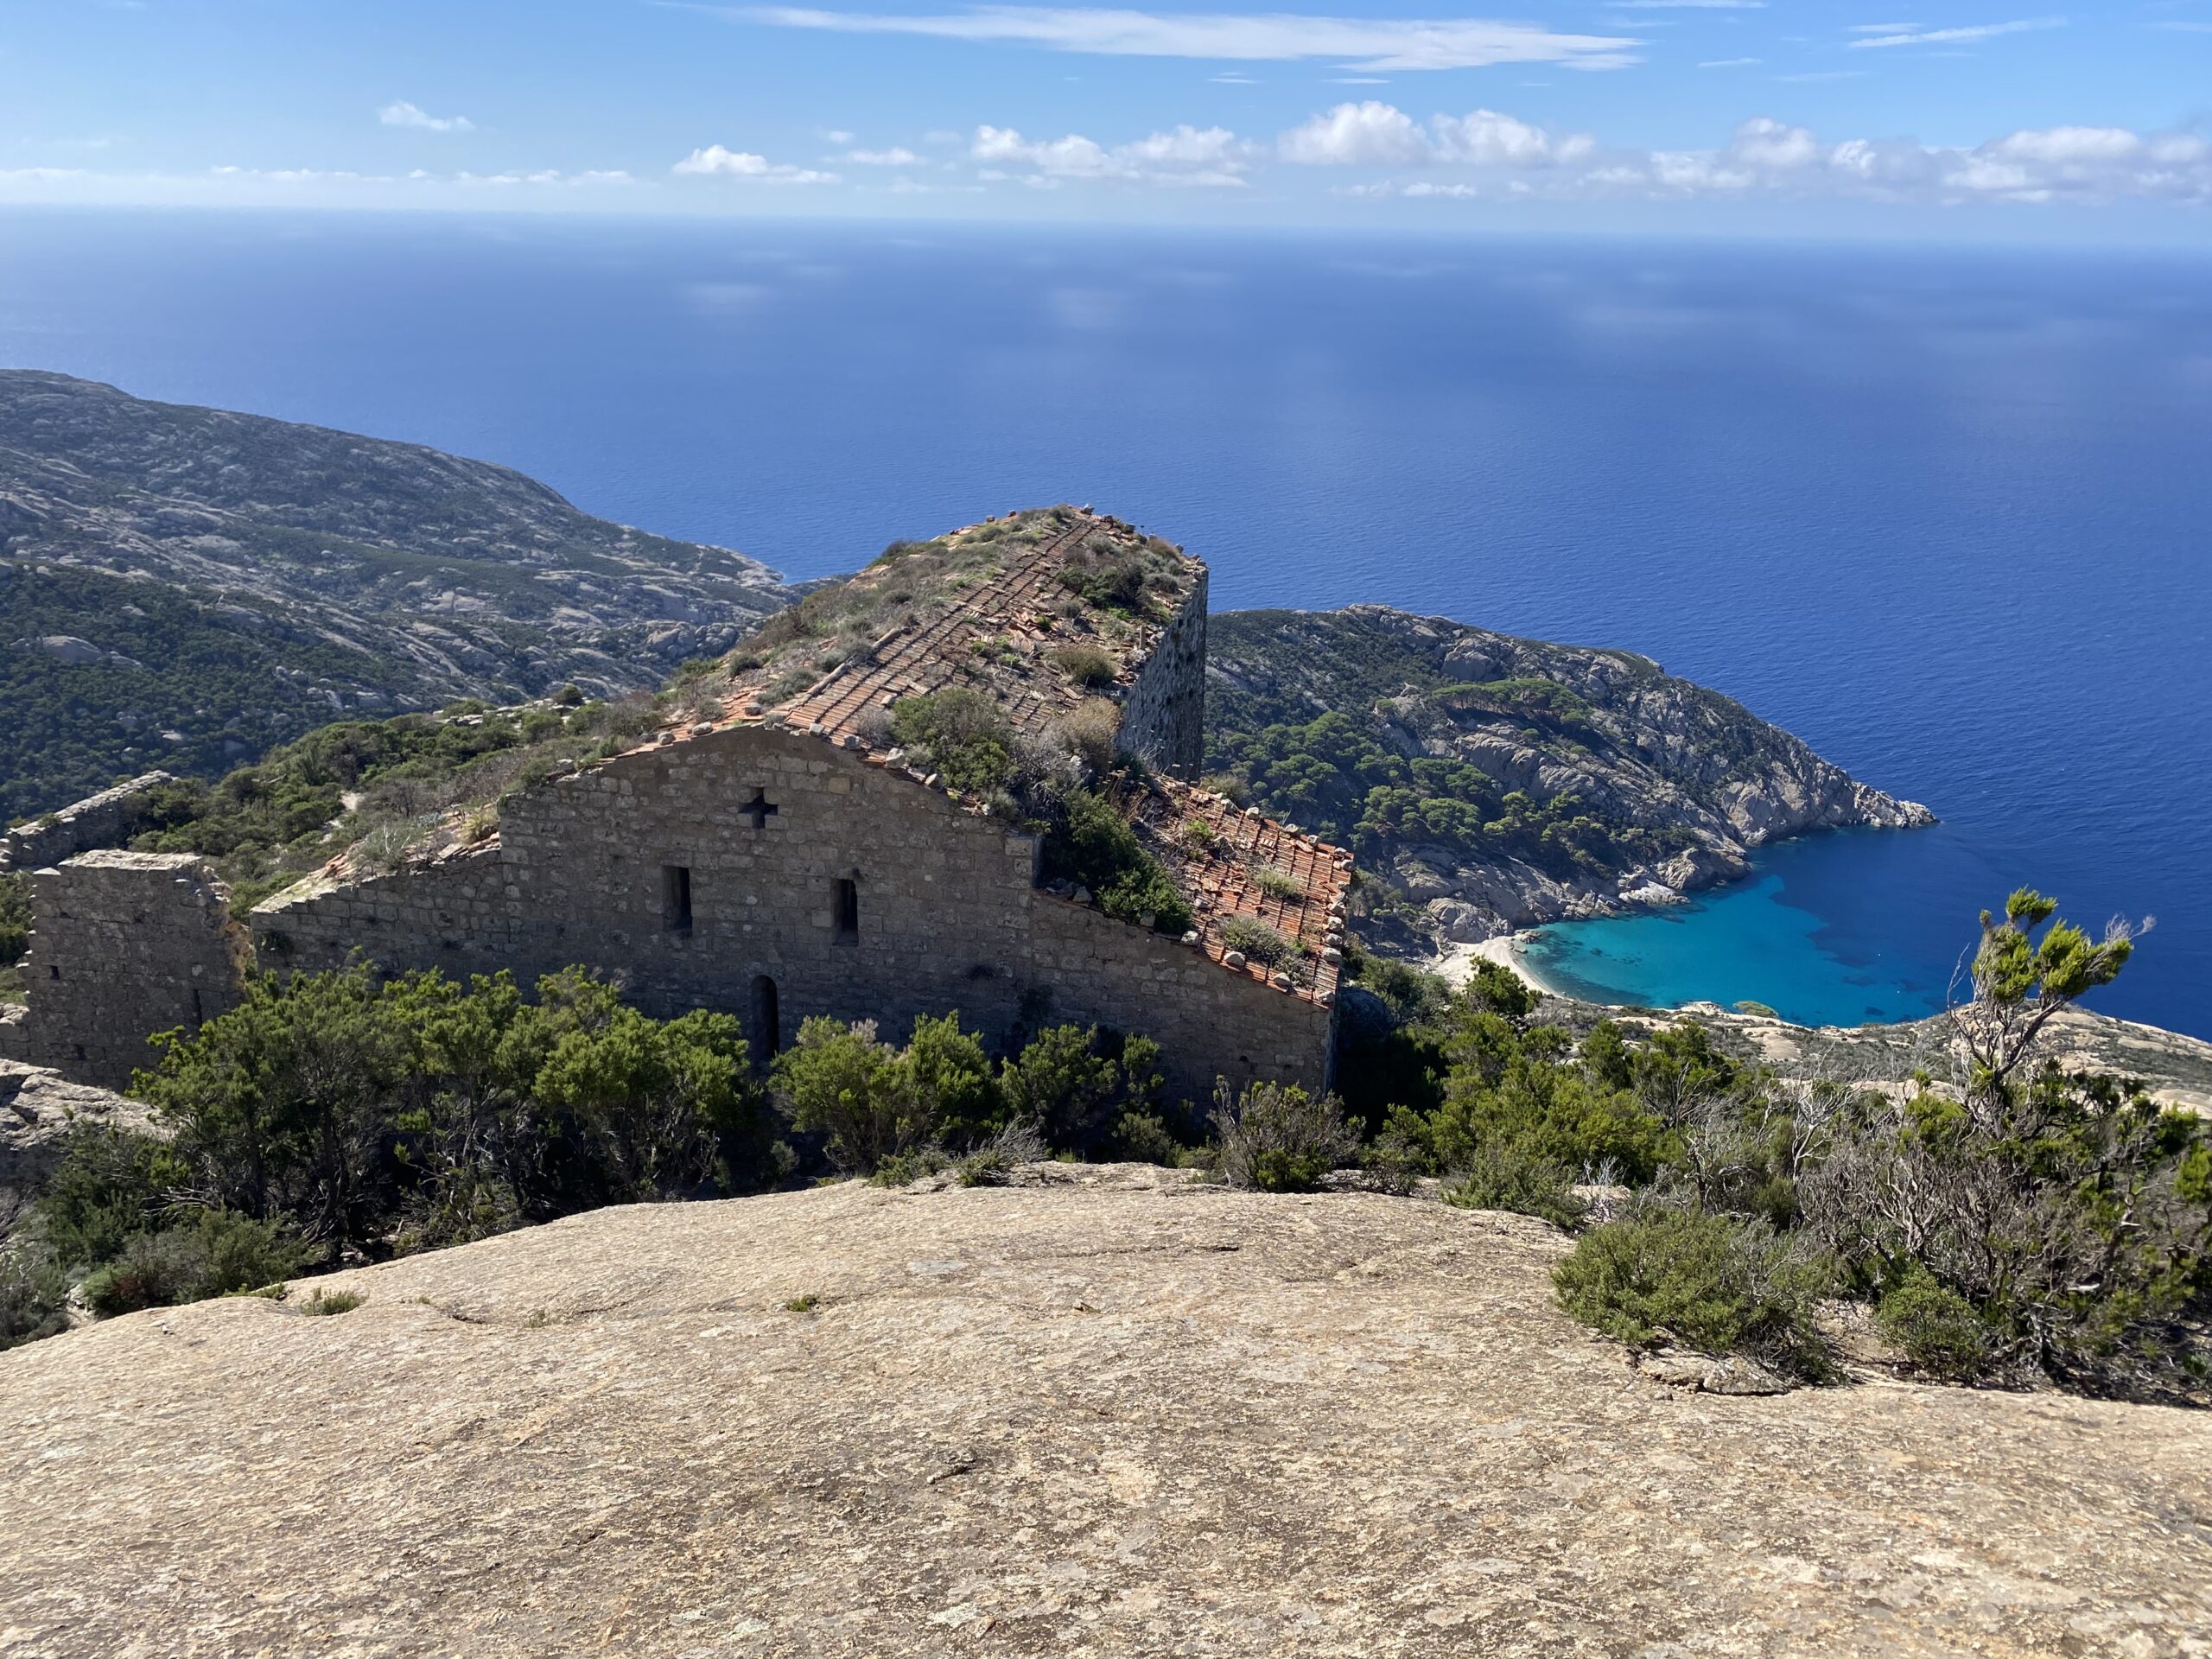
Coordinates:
column 760, row 809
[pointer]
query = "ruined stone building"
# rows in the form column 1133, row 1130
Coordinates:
column 772, row 852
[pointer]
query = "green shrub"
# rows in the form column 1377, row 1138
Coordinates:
column 1280, row 1139
column 1939, row 1330
column 326, row 1302
column 1094, row 846
column 953, row 1088
column 152, row 1270
column 1525, row 1183
column 962, row 732
column 1142, row 1137
column 1259, row 941
column 1710, row 1283
column 1497, row 990
column 1277, row 884
column 14, row 917
column 1070, row 1083
column 108, row 1185
column 901, row 1168
column 215, row 1253
column 33, row 1293
column 837, row 1081
column 1087, row 665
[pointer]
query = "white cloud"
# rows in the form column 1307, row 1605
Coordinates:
column 1485, row 138
column 409, row 115
column 1729, row 63
column 716, row 162
column 895, row 156
column 835, row 135
column 1763, row 142
column 1375, row 134
column 1912, row 35
column 2061, row 145
column 1769, row 157
column 1211, row 157
column 1360, row 43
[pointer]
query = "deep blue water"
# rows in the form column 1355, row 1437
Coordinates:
column 1942, row 512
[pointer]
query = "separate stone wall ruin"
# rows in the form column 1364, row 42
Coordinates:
column 102, row 820
column 123, row 945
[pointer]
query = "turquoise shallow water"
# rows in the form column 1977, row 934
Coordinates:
column 1835, row 929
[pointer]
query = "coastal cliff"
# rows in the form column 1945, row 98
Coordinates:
column 1493, row 782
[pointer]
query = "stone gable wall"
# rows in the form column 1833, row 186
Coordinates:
column 1164, row 710
column 124, row 944
column 949, row 914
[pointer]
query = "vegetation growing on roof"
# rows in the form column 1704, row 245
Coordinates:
column 1115, row 583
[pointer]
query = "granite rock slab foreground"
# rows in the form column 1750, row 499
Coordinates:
column 1105, row 1411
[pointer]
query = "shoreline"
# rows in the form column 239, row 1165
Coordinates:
column 1505, row 950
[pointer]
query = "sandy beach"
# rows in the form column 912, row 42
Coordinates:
column 1507, row 951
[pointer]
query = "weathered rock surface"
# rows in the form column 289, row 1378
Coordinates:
column 36, row 1106
column 1115, row 1413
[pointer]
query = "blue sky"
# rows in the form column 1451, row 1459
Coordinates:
column 1804, row 113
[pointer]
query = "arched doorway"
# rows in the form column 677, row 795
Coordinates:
column 767, row 1019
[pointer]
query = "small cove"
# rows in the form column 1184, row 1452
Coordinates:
column 1837, row 929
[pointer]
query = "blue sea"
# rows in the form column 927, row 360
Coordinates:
column 1942, row 512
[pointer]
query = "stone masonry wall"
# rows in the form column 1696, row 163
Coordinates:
column 123, row 945
column 948, row 914
column 1163, row 713
column 101, row 820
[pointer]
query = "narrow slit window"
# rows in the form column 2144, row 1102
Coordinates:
column 845, row 911
column 676, row 897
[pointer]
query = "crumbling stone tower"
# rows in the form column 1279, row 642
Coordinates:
column 123, row 945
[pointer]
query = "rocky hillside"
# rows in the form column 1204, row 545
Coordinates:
column 1108, row 1410
column 1497, row 782
column 183, row 587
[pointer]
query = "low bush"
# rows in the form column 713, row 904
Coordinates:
column 1093, row 845
column 1937, row 1329
column 1091, row 732
column 1073, row 1083
column 966, row 739
column 33, row 1293
column 326, row 1302
column 1710, row 1283
column 991, row 1164
column 839, row 1082
column 1087, row 665
column 1256, row 940
column 1524, row 1183
column 1280, row 1139
column 214, row 1254
column 1142, row 1137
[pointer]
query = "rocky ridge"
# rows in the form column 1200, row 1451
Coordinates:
column 1105, row 1410
column 1682, row 770
column 149, row 550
